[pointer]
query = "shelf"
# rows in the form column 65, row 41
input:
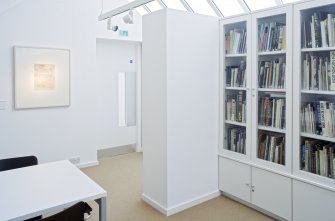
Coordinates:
column 272, row 89
column 235, row 55
column 318, row 137
column 272, row 129
column 235, row 123
column 236, row 88
column 317, row 92
column 317, row 49
column 282, row 52
column 235, row 152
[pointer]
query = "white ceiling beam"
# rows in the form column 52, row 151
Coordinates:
column 161, row 3
column 186, row 5
column 123, row 8
column 215, row 8
column 279, row 2
column 244, row 5
column 146, row 8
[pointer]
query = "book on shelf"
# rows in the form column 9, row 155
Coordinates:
column 318, row 118
column 271, row 147
column 271, row 74
column 235, row 41
column 318, row 30
column 235, row 75
column 317, row 156
column 236, row 107
column 235, row 139
column 318, row 72
column 272, row 111
column 332, row 70
column 271, row 37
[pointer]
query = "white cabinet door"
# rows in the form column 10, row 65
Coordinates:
column 312, row 203
column 234, row 178
column 272, row 192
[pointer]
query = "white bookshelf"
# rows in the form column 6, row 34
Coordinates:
column 312, row 96
column 308, row 183
column 249, row 181
column 235, row 123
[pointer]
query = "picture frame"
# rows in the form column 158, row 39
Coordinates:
column 41, row 77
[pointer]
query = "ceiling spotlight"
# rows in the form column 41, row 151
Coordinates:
column 110, row 26
column 128, row 18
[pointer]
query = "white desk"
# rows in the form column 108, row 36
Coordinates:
column 31, row 191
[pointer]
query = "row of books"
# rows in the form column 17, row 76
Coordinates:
column 235, row 75
column 272, row 74
column 318, row 157
column 272, row 111
column 236, row 139
column 318, row 30
column 318, row 118
column 236, row 107
column 271, row 147
column 318, row 72
column 236, row 41
column 271, row 37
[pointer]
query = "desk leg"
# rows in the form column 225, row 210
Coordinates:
column 102, row 208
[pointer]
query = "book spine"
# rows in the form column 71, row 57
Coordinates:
column 332, row 70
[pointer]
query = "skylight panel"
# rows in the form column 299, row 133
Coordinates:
column 175, row 4
column 141, row 10
column 260, row 4
column 290, row 1
column 201, row 7
column 154, row 6
column 229, row 7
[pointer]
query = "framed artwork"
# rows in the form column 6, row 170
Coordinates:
column 42, row 77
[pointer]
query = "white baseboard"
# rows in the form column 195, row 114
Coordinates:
column 182, row 206
column 195, row 201
column 88, row 164
column 154, row 204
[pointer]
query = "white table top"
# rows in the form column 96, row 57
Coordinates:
column 31, row 191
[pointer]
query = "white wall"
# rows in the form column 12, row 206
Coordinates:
column 192, row 106
column 113, row 56
column 51, row 133
column 85, row 126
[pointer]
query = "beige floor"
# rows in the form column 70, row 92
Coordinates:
column 121, row 176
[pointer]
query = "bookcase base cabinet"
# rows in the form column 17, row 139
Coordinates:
column 312, row 203
column 268, row 191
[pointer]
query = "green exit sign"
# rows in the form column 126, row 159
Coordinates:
column 123, row 33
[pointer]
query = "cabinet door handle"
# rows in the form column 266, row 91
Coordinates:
column 252, row 188
column 247, row 184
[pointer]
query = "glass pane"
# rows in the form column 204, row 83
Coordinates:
column 127, row 99
column 272, row 110
column 175, row 4
column 271, row 147
column 201, row 7
column 260, row 4
column 289, row 1
column 154, row 6
column 229, row 7
column 235, row 111
column 141, row 10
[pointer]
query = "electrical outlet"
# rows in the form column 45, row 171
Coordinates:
column 75, row 160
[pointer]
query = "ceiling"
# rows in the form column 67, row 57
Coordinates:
column 220, row 8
